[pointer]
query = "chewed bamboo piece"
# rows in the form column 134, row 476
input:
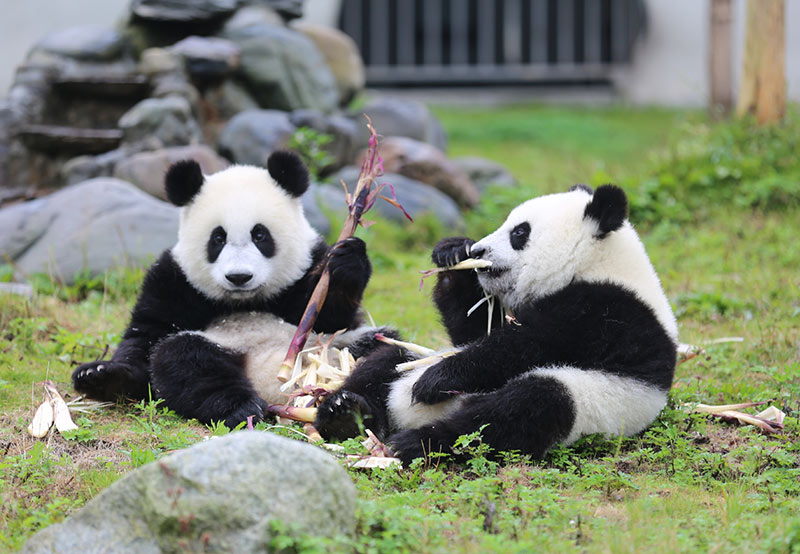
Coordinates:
column 55, row 411
column 469, row 263
column 769, row 421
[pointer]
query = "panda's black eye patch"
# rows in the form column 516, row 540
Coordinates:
column 263, row 240
column 519, row 235
column 216, row 242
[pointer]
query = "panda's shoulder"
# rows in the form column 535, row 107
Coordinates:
column 166, row 284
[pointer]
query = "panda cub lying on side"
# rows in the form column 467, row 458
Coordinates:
column 217, row 312
column 591, row 347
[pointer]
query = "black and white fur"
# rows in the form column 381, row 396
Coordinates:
column 591, row 347
column 217, row 312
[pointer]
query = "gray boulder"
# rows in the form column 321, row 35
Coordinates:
column 208, row 58
column 158, row 122
column 314, row 214
column 94, row 225
column 83, row 168
column 485, row 173
column 251, row 136
column 417, row 199
column 217, row 496
column 249, row 15
column 282, row 69
column 85, row 42
column 183, row 11
column 426, row 163
column 341, row 55
column 146, row 170
column 395, row 117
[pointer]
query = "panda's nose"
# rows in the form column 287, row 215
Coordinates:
column 239, row 279
column 477, row 251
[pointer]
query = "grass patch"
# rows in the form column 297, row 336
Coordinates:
column 687, row 483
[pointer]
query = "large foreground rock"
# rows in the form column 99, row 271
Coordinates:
column 218, row 496
column 94, row 225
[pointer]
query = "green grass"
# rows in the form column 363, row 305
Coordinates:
column 689, row 483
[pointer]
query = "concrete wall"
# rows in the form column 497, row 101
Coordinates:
column 671, row 61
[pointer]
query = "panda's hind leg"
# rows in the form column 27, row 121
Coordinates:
column 200, row 379
column 528, row 414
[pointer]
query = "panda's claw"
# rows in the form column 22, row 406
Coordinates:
column 254, row 407
column 339, row 415
column 450, row 251
column 102, row 380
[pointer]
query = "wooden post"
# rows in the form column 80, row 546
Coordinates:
column 763, row 87
column 721, row 68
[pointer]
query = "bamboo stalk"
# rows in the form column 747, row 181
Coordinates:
column 362, row 199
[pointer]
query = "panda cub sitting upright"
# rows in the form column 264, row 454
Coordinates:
column 217, row 312
column 590, row 346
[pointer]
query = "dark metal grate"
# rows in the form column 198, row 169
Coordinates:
column 491, row 41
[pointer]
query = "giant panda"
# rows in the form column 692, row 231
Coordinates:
column 218, row 310
column 589, row 344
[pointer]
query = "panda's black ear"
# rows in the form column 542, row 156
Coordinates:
column 183, row 181
column 609, row 208
column 288, row 171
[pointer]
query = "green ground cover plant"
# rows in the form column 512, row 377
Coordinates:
column 717, row 208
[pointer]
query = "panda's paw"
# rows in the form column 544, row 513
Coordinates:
column 341, row 415
column 254, row 407
column 451, row 250
column 348, row 262
column 103, row 380
column 435, row 386
column 411, row 444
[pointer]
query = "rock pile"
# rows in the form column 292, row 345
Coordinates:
column 221, row 81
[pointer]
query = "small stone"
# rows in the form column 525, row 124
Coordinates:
column 395, row 117
column 183, row 11
column 208, row 58
column 85, row 42
column 485, row 173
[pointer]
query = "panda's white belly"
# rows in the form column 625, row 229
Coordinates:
column 264, row 339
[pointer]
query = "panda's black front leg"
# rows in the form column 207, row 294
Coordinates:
column 350, row 270
column 199, row 379
column 458, row 291
column 123, row 376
